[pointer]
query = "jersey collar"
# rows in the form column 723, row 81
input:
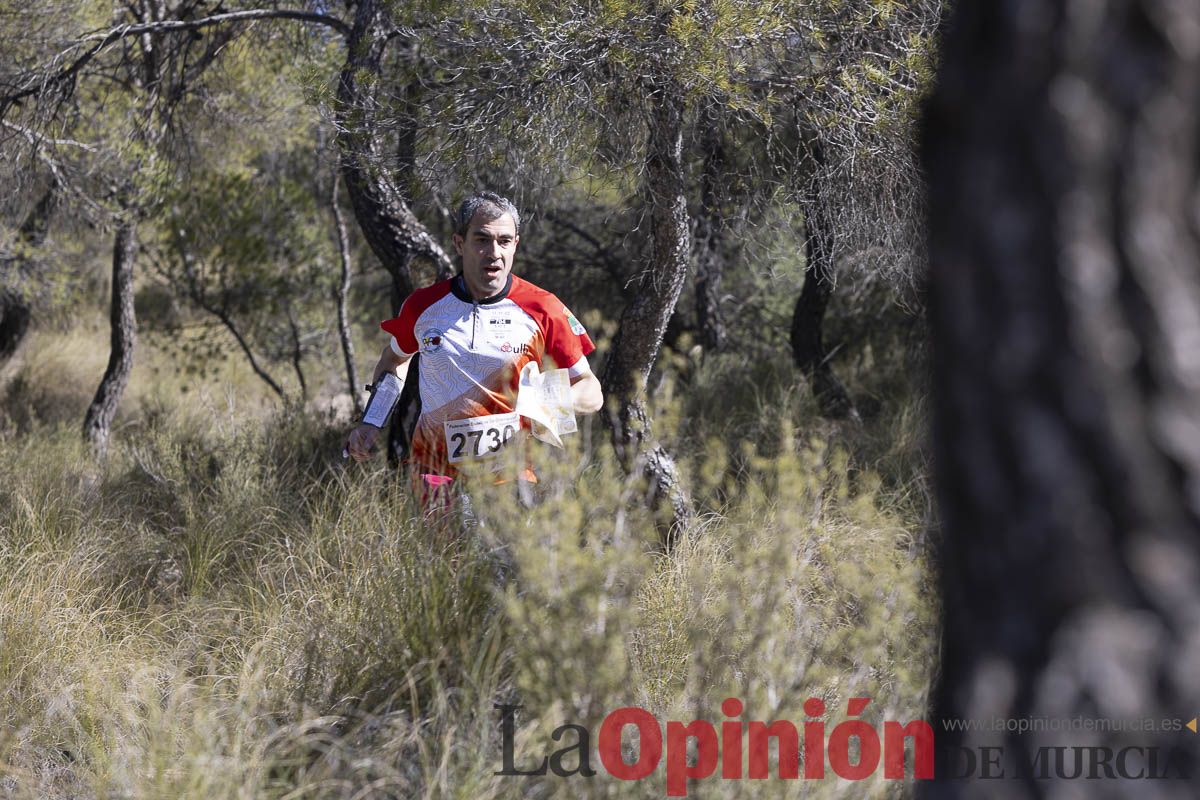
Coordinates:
column 459, row 287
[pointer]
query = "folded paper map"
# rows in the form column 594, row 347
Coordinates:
column 545, row 398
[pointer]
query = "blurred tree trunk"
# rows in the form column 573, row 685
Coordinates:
column 15, row 308
column 15, row 314
column 808, row 341
column 710, row 233
column 644, row 320
column 1061, row 147
column 297, row 357
column 808, row 317
column 122, row 338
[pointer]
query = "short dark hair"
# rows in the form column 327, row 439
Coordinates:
column 491, row 204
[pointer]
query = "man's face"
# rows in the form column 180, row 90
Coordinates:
column 487, row 253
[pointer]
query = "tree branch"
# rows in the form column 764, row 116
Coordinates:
column 104, row 39
column 35, row 138
column 171, row 25
column 197, row 294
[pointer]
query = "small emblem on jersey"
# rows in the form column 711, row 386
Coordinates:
column 576, row 327
column 500, row 326
column 519, row 349
column 431, row 340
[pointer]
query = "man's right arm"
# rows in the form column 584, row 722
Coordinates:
column 362, row 439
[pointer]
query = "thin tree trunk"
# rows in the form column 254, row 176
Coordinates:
column 644, row 320
column 195, row 291
column 342, row 294
column 391, row 229
column 808, row 317
column 298, row 357
column 406, row 137
column 97, row 422
column 809, row 350
column 710, row 234
column 404, row 418
column 408, row 407
column 1061, row 148
column 230, row 326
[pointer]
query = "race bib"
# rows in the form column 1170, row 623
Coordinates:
column 479, row 437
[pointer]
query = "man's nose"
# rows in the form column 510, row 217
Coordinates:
column 492, row 248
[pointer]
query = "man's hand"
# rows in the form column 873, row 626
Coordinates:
column 586, row 394
column 362, row 439
column 362, row 442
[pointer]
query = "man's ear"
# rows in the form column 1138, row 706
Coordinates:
column 458, row 244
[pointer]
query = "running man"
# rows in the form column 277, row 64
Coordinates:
column 475, row 333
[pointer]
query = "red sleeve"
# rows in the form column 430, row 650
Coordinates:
column 404, row 326
column 566, row 339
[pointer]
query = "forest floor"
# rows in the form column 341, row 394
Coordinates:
column 223, row 608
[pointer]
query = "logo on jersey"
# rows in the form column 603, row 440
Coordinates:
column 520, row 349
column 431, row 340
column 576, row 327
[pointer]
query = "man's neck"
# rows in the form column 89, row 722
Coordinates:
column 465, row 292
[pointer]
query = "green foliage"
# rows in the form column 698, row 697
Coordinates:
column 249, row 247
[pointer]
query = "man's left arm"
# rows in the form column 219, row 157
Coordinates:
column 567, row 343
column 586, row 395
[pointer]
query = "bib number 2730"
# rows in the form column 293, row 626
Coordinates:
column 479, row 437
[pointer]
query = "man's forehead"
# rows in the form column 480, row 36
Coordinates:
column 492, row 224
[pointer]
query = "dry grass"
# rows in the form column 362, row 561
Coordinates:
column 223, row 610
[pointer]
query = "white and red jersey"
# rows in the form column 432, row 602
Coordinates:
column 472, row 353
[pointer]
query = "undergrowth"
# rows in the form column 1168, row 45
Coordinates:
column 225, row 609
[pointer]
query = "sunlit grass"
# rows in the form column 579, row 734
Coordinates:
column 223, row 609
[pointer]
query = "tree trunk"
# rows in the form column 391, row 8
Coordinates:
column 393, row 232
column 408, row 407
column 16, row 311
column 710, row 234
column 1061, row 148
column 298, row 357
column 15, row 314
column 808, row 345
column 644, row 320
column 123, row 337
column 341, row 295
column 404, row 418
column 391, row 229
column 808, row 317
